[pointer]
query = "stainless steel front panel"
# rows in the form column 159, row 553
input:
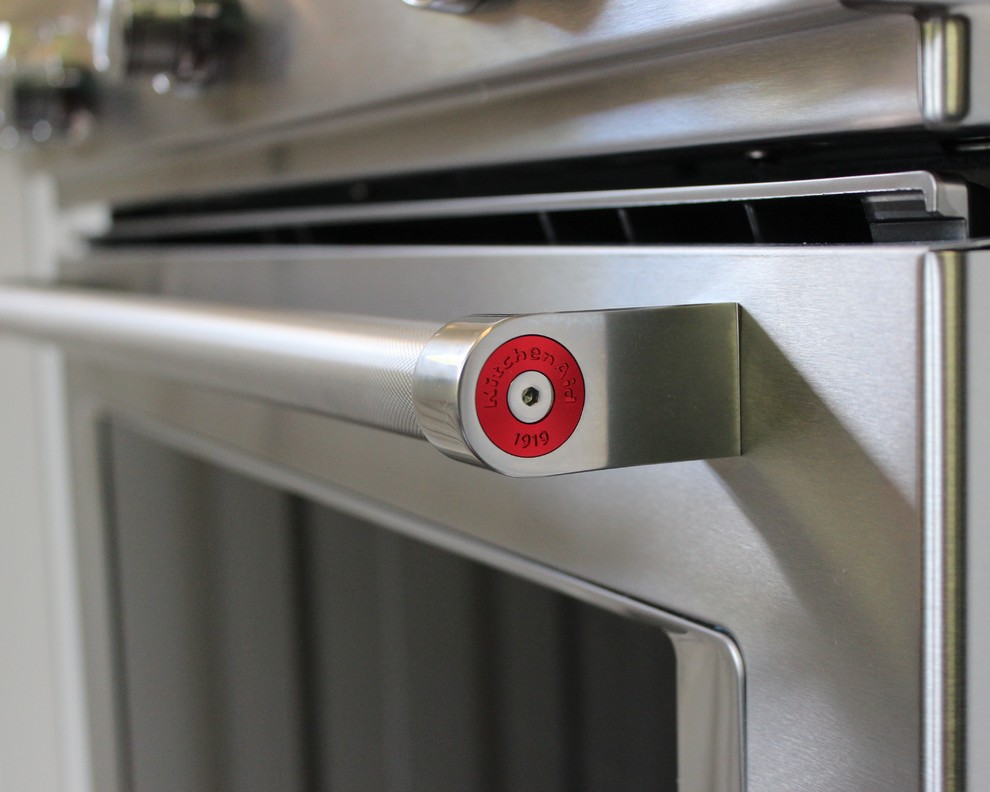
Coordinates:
column 807, row 548
column 977, row 509
column 863, row 72
column 304, row 58
column 832, row 551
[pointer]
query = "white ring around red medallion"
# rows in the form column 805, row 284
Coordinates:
column 530, row 396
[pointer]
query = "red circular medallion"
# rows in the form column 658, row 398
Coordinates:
column 491, row 397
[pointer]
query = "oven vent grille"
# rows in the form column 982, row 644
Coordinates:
column 912, row 207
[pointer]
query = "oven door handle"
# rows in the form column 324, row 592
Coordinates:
column 526, row 395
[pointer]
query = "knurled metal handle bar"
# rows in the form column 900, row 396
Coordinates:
column 528, row 395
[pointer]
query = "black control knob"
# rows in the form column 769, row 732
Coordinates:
column 48, row 105
column 187, row 42
column 48, row 93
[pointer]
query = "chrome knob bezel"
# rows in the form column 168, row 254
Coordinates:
column 447, row 6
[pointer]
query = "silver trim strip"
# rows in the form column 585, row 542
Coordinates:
column 943, row 752
column 945, row 57
column 941, row 196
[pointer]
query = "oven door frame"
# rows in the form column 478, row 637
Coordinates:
column 710, row 673
column 775, row 515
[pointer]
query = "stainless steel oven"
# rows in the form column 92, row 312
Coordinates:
column 538, row 396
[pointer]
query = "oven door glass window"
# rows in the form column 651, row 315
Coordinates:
column 266, row 642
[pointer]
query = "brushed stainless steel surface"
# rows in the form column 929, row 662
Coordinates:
column 662, row 383
column 977, row 516
column 942, row 196
column 502, row 40
column 276, row 82
column 352, row 367
column 305, row 58
column 944, row 556
column 823, row 510
column 860, row 74
column 846, row 508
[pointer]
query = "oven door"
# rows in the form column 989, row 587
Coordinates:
column 288, row 590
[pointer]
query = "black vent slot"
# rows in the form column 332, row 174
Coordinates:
column 523, row 229
column 692, row 224
column 899, row 215
column 590, row 227
column 835, row 219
